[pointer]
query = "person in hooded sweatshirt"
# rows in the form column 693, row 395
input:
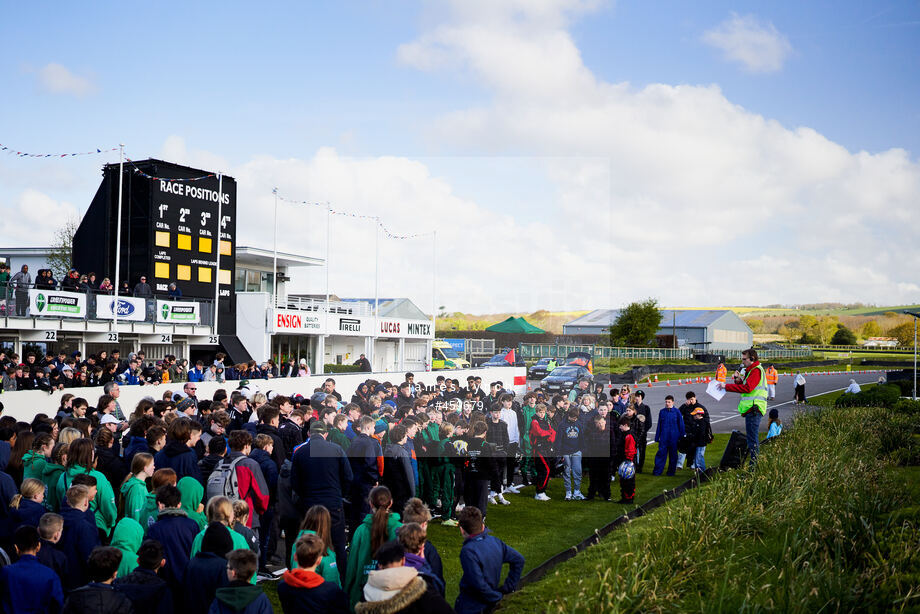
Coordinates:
column 99, row 596
column 302, row 590
column 127, row 537
column 175, row 531
column 378, row 527
column 207, row 570
column 412, row 538
column 51, row 475
column 34, row 461
column 27, row 585
column 179, row 454
column 394, row 587
column 147, row 591
column 240, row 596
column 134, row 489
column 192, row 495
column 81, row 459
column 79, row 536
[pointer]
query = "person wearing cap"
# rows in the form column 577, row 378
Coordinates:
column 686, row 411
column 142, row 289
column 700, row 432
column 321, row 475
column 363, row 364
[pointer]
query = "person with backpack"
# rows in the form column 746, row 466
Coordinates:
column 378, row 527
column 240, row 477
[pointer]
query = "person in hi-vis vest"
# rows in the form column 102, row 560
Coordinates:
column 721, row 371
column 772, row 379
column 751, row 384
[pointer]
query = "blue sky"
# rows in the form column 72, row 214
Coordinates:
column 249, row 87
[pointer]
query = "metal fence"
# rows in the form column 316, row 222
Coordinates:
column 541, row 350
column 863, row 348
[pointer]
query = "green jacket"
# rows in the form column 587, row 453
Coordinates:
column 528, row 413
column 50, row 475
column 339, row 437
column 33, row 464
column 360, row 561
column 134, row 497
column 150, row 511
column 127, row 537
column 104, row 503
column 327, row 568
column 192, row 494
column 433, row 440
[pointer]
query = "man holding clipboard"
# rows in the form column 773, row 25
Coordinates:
column 751, row 384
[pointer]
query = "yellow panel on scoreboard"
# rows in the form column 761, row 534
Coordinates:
column 204, row 274
column 224, row 249
column 161, row 270
column 183, row 272
column 184, row 242
column 161, row 239
column 223, row 277
column 204, row 245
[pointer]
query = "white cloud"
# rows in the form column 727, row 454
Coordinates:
column 57, row 79
column 33, row 218
column 757, row 46
column 708, row 202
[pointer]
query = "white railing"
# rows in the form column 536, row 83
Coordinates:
column 320, row 306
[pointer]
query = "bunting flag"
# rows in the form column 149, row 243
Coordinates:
column 24, row 154
column 357, row 216
column 138, row 171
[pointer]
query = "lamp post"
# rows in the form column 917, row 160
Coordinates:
column 915, row 315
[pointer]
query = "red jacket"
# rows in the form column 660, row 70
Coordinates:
column 629, row 448
column 748, row 385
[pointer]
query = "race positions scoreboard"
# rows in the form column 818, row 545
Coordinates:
column 193, row 240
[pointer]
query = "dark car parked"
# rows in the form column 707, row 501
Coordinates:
column 539, row 369
column 499, row 361
column 563, row 378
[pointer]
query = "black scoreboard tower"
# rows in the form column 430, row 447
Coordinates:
column 171, row 232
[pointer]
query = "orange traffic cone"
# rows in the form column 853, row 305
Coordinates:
column 668, row 383
column 650, row 383
column 656, row 378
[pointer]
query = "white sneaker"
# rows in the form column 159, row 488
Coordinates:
column 501, row 499
column 459, row 508
column 514, row 490
column 568, row 496
column 492, row 500
column 541, row 497
column 578, row 496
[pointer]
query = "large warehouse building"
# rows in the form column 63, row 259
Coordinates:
column 698, row 329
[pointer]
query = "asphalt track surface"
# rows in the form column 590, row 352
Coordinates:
column 724, row 415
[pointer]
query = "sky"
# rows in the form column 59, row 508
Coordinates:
column 554, row 154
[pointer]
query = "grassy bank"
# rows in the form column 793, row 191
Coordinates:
column 826, row 523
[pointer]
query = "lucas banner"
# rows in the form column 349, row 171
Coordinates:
column 178, row 312
column 60, row 304
column 129, row 308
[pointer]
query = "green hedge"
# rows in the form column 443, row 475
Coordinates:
column 876, row 396
column 341, row 369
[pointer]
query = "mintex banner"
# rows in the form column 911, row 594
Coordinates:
column 54, row 303
column 178, row 312
column 129, row 308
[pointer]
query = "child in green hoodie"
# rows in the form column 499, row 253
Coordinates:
column 80, row 459
column 134, row 489
column 378, row 527
column 127, row 537
column 528, row 411
column 241, row 596
column 317, row 521
column 192, row 494
column 51, row 473
column 34, row 461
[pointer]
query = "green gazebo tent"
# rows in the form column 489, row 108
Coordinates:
column 516, row 325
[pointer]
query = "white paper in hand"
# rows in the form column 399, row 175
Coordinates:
column 714, row 391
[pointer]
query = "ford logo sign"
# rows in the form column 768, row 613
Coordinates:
column 124, row 308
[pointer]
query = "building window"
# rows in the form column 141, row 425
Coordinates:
column 248, row 280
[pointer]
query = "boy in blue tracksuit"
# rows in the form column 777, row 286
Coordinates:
column 482, row 557
column 670, row 430
column 571, row 443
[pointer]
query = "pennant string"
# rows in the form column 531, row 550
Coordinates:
column 25, row 154
column 358, row 216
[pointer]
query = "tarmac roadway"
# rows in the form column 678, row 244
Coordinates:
column 723, row 414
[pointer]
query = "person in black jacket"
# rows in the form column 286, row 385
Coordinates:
column 207, row 571
column 321, row 475
column 79, row 536
column 179, row 454
column 478, row 471
column 175, row 531
column 497, row 436
column 148, row 592
column 302, row 590
column 366, row 459
column 51, row 529
column 597, row 457
column 397, row 469
column 99, row 596
column 644, row 416
column 269, row 419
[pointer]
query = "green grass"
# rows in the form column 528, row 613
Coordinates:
column 539, row 530
column 825, row 523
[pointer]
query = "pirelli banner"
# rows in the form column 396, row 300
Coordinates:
column 56, row 303
column 178, row 312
